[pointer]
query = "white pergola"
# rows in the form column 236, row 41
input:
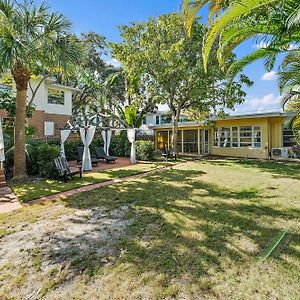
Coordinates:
column 87, row 132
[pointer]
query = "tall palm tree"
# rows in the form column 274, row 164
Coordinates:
column 32, row 40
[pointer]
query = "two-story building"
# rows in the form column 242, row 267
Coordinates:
column 53, row 106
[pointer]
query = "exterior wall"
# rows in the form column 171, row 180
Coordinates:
column 40, row 117
column 249, row 152
column 276, row 129
column 65, row 109
column 271, row 136
column 59, row 122
column 41, row 98
column 38, row 120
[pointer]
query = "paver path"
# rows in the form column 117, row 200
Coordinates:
column 90, row 187
column 8, row 200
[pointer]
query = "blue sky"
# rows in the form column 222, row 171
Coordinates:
column 104, row 17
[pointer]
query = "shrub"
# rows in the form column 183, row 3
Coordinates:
column 32, row 156
column 45, row 159
column 71, row 149
column 119, row 145
column 145, row 150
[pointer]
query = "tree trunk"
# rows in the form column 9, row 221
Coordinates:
column 174, row 136
column 21, row 76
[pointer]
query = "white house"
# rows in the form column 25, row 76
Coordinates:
column 53, row 106
column 158, row 118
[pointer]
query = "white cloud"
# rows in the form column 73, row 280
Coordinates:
column 114, row 62
column 267, row 103
column 260, row 45
column 270, row 76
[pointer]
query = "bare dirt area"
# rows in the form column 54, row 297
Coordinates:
column 51, row 252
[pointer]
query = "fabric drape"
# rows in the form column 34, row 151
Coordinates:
column 87, row 135
column 64, row 134
column 131, row 139
column 2, row 155
column 106, row 136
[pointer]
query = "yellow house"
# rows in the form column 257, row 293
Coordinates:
column 252, row 136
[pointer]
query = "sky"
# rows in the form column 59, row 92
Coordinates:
column 104, row 17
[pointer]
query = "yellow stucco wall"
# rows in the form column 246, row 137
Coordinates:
column 271, row 134
column 262, row 152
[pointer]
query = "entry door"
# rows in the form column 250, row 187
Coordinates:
column 204, row 143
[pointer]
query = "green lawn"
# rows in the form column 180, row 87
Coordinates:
column 33, row 189
column 197, row 231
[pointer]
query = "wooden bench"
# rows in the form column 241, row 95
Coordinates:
column 64, row 170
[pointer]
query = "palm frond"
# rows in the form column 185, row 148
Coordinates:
column 237, row 66
column 235, row 11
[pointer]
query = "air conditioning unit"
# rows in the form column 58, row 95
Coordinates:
column 280, row 152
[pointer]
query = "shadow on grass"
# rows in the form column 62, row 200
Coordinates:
column 30, row 190
column 179, row 225
column 276, row 168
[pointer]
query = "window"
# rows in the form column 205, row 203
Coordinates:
column 235, row 137
column 238, row 137
column 245, row 136
column 216, row 137
column 157, row 120
column 225, row 137
column 256, row 137
column 56, row 97
column 49, row 128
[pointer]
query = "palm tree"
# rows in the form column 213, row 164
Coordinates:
column 275, row 22
column 289, row 82
column 32, row 41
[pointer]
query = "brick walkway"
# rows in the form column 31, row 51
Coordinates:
column 8, row 200
column 66, row 194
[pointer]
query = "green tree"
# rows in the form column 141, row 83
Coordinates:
column 32, row 41
column 164, row 65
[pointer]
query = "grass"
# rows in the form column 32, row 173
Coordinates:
column 197, row 231
column 30, row 190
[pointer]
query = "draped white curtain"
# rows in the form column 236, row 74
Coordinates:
column 64, row 134
column 106, row 135
column 87, row 136
column 2, row 155
column 131, row 139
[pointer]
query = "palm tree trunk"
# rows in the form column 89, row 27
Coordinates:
column 21, row 76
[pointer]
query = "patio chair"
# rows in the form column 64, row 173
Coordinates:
column 64, row 170
column 167, row 154
column 94, row 160
column 100, row 153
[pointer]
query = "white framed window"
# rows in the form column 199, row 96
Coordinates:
column 49, row 128
column 256, row 137
column 225, row 137
column 238, row 137
column 157, row 119
column 216, row 137
column 56, row 97
column 235, row 137
column 245, row 136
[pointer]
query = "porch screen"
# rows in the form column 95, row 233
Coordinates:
column 190, row 141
